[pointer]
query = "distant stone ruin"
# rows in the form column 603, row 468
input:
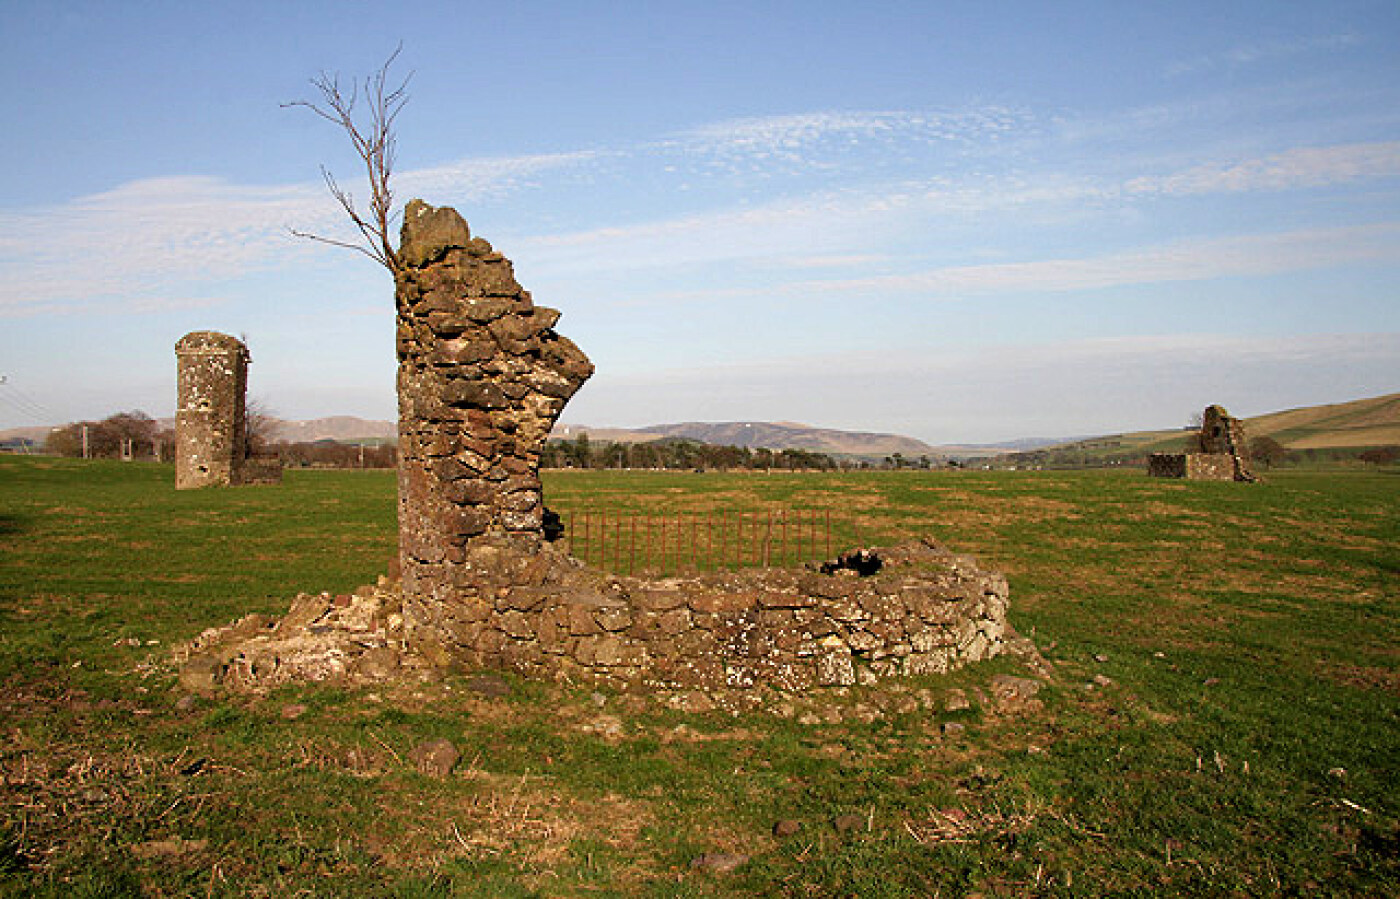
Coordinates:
column 482, row 378
column 1219, row 452
column 211, row 443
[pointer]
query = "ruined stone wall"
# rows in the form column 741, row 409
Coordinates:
column 482, row 377
column 1193, row 466
column 926, row 611
column 209, row 418
column 1223, row 456
column 733, row 639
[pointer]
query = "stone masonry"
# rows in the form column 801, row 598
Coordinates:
column 735, row 637
column 482, row 378
column 210, row 443
column 1222, row 456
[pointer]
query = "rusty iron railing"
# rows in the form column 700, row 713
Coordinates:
column 661, row 544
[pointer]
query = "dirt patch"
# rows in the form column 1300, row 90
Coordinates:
column 1362, row 677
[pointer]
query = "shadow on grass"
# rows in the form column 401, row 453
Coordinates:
column 11, row 524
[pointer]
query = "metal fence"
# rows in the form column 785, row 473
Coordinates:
column 661, row 544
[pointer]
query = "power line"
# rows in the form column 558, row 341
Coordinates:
column 19, row 401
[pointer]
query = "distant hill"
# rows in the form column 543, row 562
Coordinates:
column 1373, row 422
column 345, row 428
column 763, row 434
column 1352, row 425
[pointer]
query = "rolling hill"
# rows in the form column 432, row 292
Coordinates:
column 756, row 434
column 1353, row 425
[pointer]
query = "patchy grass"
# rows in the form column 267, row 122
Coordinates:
column 1224, row 717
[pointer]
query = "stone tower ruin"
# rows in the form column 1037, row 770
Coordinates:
column 1220, row 452
column 209, row 418
column 482, row 377
column 211, row 446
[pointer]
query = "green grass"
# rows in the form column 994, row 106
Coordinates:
column 1246, row 740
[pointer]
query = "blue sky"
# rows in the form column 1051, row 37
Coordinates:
column 958, row 221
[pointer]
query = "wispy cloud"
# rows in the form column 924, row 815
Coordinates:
column 1191, row 260
column 166, row 237
column 121, row 249
column 1264, row 51
column 1302, row 167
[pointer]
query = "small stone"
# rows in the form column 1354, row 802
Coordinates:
column 1015, row 694
column 201, row 674
column 953, row 728
column 1100, row 657
column 436, row 758
column 849, row 823
column 490, row 686
column 718, row 862
column 1102, row 680
column 607, row 726
column 694, row 701
column 786, row 828
column 167, row 848
column 294, row 711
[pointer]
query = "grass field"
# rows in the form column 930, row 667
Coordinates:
column 1223, row 719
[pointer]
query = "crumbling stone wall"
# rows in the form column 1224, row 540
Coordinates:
column 1223, row 452
column 730, row 639
column 211, row 448
column 482, row 377
column 925, row 611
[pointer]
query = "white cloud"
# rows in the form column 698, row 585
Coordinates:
column 1302, row 167
column 488, row 178
column 1263, row 51
column 1189, row 260
column 120, row 250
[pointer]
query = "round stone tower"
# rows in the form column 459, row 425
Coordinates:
column 209, row 421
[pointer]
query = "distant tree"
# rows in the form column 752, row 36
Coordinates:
column 259, row 427
column 1193, row 439
column 135, row 430
column 1267, row 451
column 374, row 142
column 1381, row 455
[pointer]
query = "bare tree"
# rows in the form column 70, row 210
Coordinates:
column 374, row 143
column 259, row 427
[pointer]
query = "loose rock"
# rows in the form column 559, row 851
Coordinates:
column 435, row 758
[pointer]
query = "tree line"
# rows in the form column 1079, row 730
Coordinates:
column 135, row 435
column 681, row 454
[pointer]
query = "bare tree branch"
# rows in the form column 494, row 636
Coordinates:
column 374, row 143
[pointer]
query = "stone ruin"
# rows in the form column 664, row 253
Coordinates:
column 1220, row 452
column 211, row 442
column 482, row 378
